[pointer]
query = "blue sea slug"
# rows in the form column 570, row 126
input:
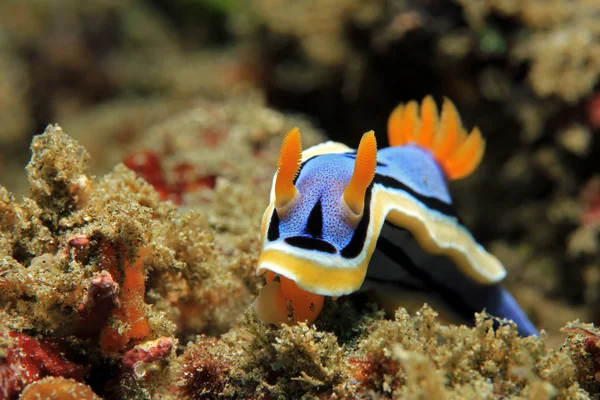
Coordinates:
column 342, row 220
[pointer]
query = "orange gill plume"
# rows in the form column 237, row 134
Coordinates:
column 364, row 172
column 288, row 167
column 457, row 152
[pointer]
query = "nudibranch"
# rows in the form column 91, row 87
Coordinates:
column 342, row 220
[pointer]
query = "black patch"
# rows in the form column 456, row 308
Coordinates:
column 302, row 165
column 273, row 231
column 314, row 224
column 450, row 297
column 398, row 283
column 309, row 243
column 353, row 156
column 357, row 243
column 431, row 202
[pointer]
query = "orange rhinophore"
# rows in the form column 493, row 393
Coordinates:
column 364, row 171
column 288, row 166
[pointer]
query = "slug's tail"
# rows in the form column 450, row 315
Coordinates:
column 501, row 304
column 457, row 152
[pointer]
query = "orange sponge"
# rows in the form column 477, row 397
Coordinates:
column 131, row 298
